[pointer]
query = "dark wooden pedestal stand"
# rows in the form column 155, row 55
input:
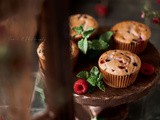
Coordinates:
column 112, row 104
column 113, row 99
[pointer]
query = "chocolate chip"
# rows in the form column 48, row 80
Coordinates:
column 107, row 60
column 116, row 31
column 126, row 70
column 120, row 61
column 85, row 16
column 113, row 70
column 128, row 31
column 135, row 64
column 121, row 67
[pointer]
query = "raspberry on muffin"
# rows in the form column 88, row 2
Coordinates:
column 131, row 35
column 119, row 67
column 82, row 19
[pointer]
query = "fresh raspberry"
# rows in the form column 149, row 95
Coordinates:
column 101, row 10
column 80, row 86
column 156, row 20
column 147, row 69
column 158, row 2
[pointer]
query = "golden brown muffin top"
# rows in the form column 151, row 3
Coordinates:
column 74, row 50
column 131, row 31
column 82, row 19
column 40, row 51
column 119, row 62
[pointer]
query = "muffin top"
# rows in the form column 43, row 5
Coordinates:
column 74, row 49
column 82, row 19
column 40, row 51
column 119, row 62
column 131, row 31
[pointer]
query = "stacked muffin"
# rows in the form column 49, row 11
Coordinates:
column 42, row 58
column 119, row 67
column 131, row 36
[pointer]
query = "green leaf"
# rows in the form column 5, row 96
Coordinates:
column 91, row 89
column 100, row 77
column 92, row 80
column 83, row 74
column 101, row 86
column 88, row 32
column 83, row 45
column 106, row 36
column 98, row 45
column 79, row 29
column 94, row 71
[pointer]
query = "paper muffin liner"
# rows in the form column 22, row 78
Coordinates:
column 133, row 47
column 42, row 62
column 119, row 81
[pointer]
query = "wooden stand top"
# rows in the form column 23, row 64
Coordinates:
column 116, row 96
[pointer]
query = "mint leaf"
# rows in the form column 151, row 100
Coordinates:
column 83, row 74
column 94, row 71
column 106, row 36
column 101, row 86
column 99, row 45
column 92, row 80
column 100, row 77
column 88, row 32
column 83, row 45
column 79, row 29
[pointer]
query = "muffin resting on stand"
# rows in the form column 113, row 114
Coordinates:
column 119, row 67
column 131, row 36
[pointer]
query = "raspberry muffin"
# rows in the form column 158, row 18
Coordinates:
column 74, row 52
column 42, row 59
column 130, row 35
column 82, row 19
column 119, row 67
column 41, row 55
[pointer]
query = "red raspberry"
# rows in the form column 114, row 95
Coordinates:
column 101, row 10
column 156, row 20
column 158, row 1
column 80, row 86
column 147, row 69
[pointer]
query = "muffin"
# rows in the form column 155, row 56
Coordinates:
column 74, row 52
column 119, row 68
column 82, row 19
column 41, row 55
column 131, row 36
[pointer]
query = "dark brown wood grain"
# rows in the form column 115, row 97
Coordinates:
column 114, row 97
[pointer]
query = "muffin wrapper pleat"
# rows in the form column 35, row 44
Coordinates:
column 42, row 62
column 119, row 81
column 134, row 47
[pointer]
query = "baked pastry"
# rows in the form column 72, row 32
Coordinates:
column 42, row 59
column 74, row 52
column 119, row 67
column 131, row 35
column 82, row 19
column 41, row 55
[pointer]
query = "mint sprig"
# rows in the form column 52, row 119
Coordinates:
column 94, row 78
column 98, row 44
